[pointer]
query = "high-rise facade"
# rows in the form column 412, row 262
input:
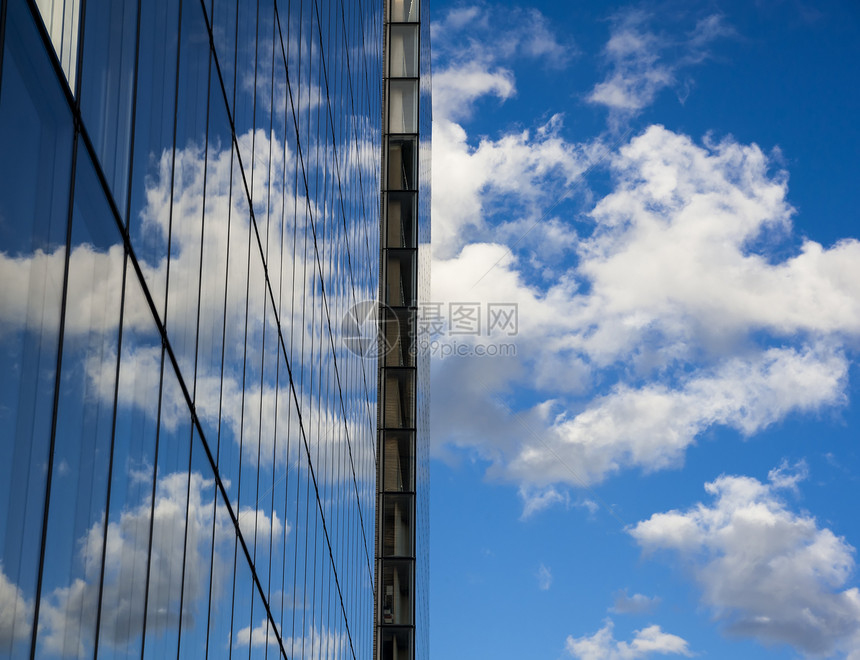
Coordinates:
column 402, row 523
column 192, row 207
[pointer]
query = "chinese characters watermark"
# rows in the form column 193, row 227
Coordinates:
column 450, row 329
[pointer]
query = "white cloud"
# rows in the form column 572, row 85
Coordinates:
column 517, row 171
column 675, row 306
column 544, row 578
column 261, row 635
column 456, row 89
column 635, row 604
column 765, row 571
column 16, row 612
column 645, row 643
column 482, row 33
column 67, row 616
column 788, row 476
column 265, row 527
column 637, row 73
column 651, row 427
column 538, row 499
column 672, row 254
column 179, row 556
column 222, row 220
column 642, row 63
column 316, row 644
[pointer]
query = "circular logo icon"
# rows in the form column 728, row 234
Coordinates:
column 366, row 327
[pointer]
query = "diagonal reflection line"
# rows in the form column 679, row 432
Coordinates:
column 286, row 473
column 535, row 435
column 570, row 188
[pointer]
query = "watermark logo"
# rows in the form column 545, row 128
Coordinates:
column 364, row 329
column 455, row 329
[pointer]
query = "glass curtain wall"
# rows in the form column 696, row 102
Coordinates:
column 189, row 205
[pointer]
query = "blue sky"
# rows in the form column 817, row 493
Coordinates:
column 667, row 466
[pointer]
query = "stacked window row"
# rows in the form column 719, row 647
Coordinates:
column 187, row 210
column 399, row 292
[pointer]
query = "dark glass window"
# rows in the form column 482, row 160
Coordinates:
column 107, row 87
column 36, row 134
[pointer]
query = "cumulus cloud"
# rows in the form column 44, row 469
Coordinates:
column 675, row 305
column 765, row 571
column 647, row 642
column 514, row 170
column 674, row 253
column 497, row 171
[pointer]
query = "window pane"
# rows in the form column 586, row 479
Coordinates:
column 396, row 592
column 400, row 220
column 398, row 461
column 404, row 10
column 174, row 486
column 401, row 167
column 403, row 106
column 398, row 532
column 35, row 126
column 399, row 398
column 396, row 644
column 75, row 532
column 400, row 278
column 149, row 220
column 398, row 336
column 107, row 80
column 403, row 55
column 127, row 550
column 199, row 548
column 61, row 18
column 186, row 184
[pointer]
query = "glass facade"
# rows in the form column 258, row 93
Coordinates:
column 191, row 196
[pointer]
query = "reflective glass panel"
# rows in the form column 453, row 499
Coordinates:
column 61, row 18
column 124, row 583
column 75, row 535
column 35, row 126
column 107, row 87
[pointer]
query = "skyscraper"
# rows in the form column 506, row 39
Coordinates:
column 190, row 202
